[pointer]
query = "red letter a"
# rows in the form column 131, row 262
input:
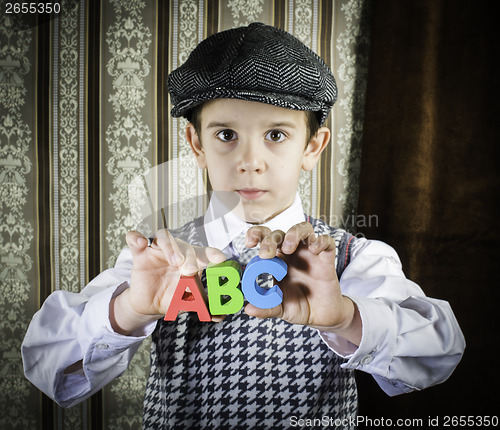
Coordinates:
column 194, row 300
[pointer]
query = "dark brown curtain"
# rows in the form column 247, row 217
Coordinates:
column 430, row 173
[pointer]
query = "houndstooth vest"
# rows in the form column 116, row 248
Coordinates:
column 246, row 373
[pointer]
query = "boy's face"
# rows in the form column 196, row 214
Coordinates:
column 257, row 151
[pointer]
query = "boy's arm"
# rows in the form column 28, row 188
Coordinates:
column 409, row 341
column 77, row 343
column 70, row 350
column 406, row 340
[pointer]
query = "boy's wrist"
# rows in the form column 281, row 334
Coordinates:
column 351, row 327
column 124, row 319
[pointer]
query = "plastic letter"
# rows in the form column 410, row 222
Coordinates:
column 215, row 272
column 194, row 301
column 258, row 296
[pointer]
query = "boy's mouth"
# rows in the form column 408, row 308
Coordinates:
column 251, row 193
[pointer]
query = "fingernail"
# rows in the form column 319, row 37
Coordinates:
column 190, row 268
column 179, row 259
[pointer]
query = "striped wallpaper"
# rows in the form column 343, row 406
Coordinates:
column 84, row 111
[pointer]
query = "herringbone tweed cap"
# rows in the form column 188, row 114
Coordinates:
column 257, row 63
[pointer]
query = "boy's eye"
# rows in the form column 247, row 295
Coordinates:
column 226, row 135
column 275, row 136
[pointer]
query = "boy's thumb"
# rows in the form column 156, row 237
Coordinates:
column 136, row 241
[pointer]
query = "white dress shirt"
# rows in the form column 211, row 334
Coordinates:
column 409, row 341
column 221, row 230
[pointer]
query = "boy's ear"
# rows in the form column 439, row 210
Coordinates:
column 315, row 147
column 195, row 144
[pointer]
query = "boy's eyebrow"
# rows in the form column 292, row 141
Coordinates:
column 215, row 124
column 288, row 124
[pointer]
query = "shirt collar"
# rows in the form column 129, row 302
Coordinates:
column 220, row 231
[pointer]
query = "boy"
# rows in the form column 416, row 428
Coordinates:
column 256, row 99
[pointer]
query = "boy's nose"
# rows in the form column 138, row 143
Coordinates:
column 252, row 160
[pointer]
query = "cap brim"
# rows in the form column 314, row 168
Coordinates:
column 287, row 101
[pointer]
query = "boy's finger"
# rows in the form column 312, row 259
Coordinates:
column 136, row 241
column 255, row 235
column 322, row 243
column 298, row 233
column 270, row 244
column 254, row 311
column 190, row 265
column 167, row 243
column 208, row 255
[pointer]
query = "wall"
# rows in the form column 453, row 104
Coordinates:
column 84, row 111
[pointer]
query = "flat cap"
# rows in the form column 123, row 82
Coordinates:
column 257, row 63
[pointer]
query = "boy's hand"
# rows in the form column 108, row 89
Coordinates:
column 311, row 289
column 155, row 273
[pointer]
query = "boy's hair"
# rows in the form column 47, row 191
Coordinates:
column 256, row 63
column 312, row 122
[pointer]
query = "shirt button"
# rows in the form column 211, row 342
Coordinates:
column 102, row 346
column 367, row 360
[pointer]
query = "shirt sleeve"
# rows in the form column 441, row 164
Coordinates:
column 74, row 328
column 409, row 341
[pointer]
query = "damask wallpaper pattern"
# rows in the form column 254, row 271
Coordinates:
column 17, row 224
column 84, row 111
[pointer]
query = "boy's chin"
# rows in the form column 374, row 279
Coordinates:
column 250, row 211
column 254, row 215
